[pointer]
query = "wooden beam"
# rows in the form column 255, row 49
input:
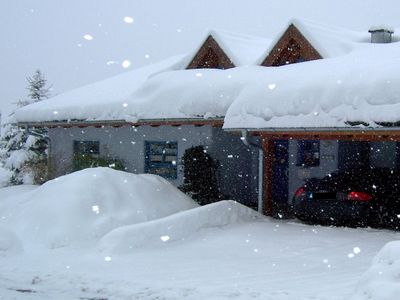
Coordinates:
column 267, row 146
column 153, row 123
column 367, row 136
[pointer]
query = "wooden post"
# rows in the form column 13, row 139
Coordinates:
column 267, row 177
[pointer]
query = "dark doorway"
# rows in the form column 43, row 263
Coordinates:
column 280, row 178
column 353, row 155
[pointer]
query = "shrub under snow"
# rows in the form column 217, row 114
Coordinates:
column 5, row 177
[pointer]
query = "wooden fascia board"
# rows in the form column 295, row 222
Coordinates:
column 291, row 32
column 99, row 124
column 350, row 135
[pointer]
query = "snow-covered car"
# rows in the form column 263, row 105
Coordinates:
column 361, row 197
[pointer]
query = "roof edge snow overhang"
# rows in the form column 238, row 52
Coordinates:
column 358, row 133
column 217, row 122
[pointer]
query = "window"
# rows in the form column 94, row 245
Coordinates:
column 308, row 153
column 87, row 147
column 161, row 159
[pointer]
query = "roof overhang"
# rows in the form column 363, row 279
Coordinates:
column 326, row 133
column 216, row 122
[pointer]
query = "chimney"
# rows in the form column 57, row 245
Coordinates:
column 381, row 34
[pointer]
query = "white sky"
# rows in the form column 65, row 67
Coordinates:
column 76, row 42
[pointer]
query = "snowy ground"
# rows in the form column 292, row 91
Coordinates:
column 224, row 258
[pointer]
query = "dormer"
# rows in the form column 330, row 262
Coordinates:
column 291, row 47
column 210, row 56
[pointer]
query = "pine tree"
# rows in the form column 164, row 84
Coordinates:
column 23, row 151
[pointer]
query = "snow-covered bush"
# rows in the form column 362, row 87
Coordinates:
column 5, row 176
column 23, row 151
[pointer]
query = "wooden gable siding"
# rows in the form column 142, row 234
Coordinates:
column 292, row 47
column 210, row 56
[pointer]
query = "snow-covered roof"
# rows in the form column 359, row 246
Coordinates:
column 358, row 82
column 241, row 49
column 327, row 40
column 362, row 86
column 103, row 100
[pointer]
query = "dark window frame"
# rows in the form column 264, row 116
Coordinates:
column 161, row 158
column 308, row 153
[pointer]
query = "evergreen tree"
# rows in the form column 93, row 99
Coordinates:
column 200, row 176
column 23, row 151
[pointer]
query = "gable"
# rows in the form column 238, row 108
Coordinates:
column 291, row 48
column 210, row 56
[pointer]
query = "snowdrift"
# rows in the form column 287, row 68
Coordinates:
column 175, row 227
column 381, row 281
column 85, row 205
column 9, row 242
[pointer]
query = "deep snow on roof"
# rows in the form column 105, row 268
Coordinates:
column 358, row 82
column 363, row 86
column 242, row 49
column 329, row 41
column 103, row 100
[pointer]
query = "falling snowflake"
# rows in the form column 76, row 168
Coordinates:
column 164, row 238
column 96, row 209
column 128, row 20
column 272, row 86
column 111, row 62
column 107, row 258
column 88, row 37
column 126, row 64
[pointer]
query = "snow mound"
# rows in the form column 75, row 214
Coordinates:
column 175, row 227
column 9, row 242
column 381, row 281
column 5, row 176
column 85, row 205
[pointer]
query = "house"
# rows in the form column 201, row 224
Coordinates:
column 338, row 111
column 274, row 114
column 126, row 119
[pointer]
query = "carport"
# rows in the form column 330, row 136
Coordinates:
column 271, row 158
